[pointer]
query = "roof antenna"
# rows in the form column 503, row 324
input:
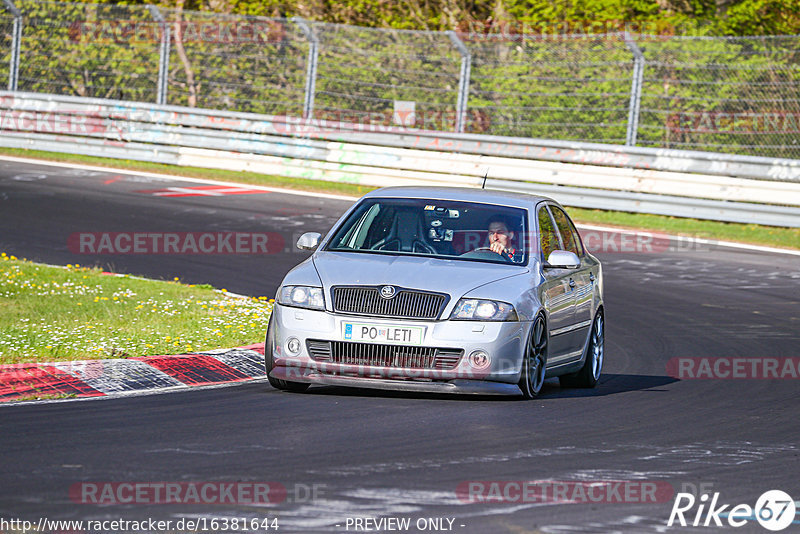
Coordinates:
column 484, row 179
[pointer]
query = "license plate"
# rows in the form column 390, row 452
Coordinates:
column 372, row 333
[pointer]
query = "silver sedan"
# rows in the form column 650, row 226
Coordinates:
column 445, row 290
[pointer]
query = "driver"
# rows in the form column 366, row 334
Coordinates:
column 501, row 239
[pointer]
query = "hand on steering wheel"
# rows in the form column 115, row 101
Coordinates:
column 484, row 250
column 497, row 247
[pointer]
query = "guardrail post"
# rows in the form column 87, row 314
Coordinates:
column 636, row 90
column 463, row 82
column 163, row 55
column 16, row 43
column 311, row 66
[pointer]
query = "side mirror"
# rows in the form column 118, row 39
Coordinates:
column 309, row 241
column 562, row 259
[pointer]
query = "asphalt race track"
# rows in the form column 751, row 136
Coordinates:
column 362, row 454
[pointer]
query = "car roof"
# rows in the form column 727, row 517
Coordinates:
column 466, row 194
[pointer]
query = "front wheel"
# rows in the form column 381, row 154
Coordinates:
column 589, row 374
column 269, row 364
column 534, row 364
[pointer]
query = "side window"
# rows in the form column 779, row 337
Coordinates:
column 569, row 234
column 548, row 238
column 378, row 226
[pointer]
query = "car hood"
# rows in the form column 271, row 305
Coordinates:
column 454, row 277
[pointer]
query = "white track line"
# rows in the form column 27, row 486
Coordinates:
column 175, row 178
column 728, row 244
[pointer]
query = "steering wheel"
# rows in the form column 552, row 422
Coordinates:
column 384, row 243
column 416, row 246
column 486, row 253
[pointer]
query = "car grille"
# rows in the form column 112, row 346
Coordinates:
column 383, row 355
column 408, row 304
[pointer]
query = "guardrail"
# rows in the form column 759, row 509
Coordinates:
column 679, row 183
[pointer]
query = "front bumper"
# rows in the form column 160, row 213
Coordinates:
column 502, row 341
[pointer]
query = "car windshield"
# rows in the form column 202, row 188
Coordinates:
column 447, row 229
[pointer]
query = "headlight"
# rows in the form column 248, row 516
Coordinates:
column 302, row 297
column 483, row 310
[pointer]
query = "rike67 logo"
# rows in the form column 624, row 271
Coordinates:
column 774, row 510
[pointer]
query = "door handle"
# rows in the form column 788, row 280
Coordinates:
column 571, row 283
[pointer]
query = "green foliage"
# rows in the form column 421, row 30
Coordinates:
column 732, row 17
column 252, row 64
column 86, row 50
column 543, row 84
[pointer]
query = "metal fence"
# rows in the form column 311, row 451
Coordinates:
column 737, row 95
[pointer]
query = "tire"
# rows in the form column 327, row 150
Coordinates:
column 534, row 363
column 283, row 385
column 589, row 374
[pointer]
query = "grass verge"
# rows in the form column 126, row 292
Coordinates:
column 720, row 231
column 43, row 396
column 267, row 180
column 756, row 234
column 76, row 313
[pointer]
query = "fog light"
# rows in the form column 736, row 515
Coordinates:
column 479, row 359
column 293, row 345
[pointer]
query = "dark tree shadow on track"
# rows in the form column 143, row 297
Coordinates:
column 610, row 384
